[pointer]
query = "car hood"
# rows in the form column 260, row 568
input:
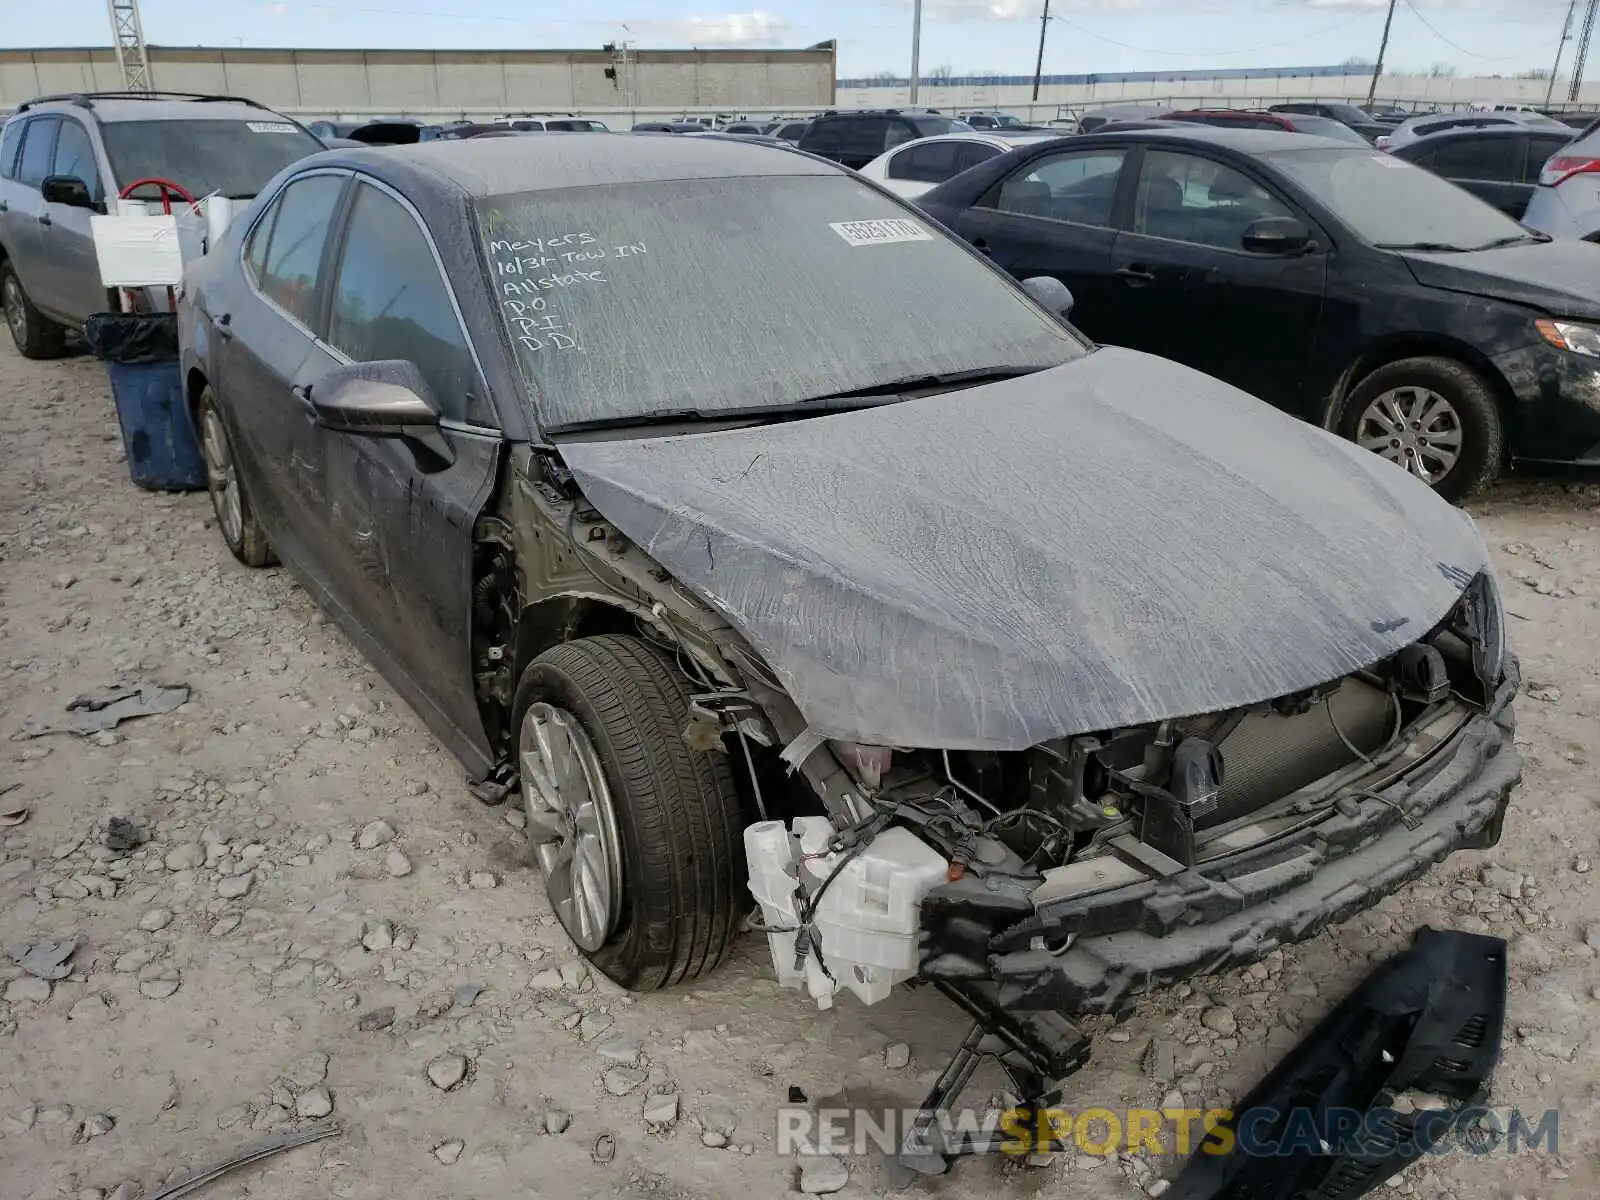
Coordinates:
column 1109, row 542
column 1561, row 278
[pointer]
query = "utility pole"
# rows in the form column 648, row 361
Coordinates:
column 1566, row 32
column 1383, row 48
column 916, row 48
column 1582, row 57
column 127, row 37
column 1038, row 65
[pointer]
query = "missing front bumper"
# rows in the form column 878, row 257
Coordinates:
column 1100, row 952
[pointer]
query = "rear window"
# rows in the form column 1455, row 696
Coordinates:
column 229, row 158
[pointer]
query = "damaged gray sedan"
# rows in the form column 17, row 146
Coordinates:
column 764, row 542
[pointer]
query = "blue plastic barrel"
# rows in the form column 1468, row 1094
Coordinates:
column 163, row 452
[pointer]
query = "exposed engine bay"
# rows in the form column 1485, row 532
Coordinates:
column 1088, row 813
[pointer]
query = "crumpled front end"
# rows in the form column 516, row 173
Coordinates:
column 1083, row 872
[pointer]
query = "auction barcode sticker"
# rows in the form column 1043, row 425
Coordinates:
column 269, row 126
column 880, row 232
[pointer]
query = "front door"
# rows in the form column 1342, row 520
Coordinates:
column 400, row 520
column 1192, row 293
column 1053, row 216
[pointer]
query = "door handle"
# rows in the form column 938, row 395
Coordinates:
column 223, row 324
column 1137, row 276
column 982, row 247
column 5, row 206
column 44, row 219
column 302, row 393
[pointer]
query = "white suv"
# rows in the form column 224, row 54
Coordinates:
column 1567, row 202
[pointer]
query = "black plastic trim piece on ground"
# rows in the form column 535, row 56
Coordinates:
column 1430, row 1018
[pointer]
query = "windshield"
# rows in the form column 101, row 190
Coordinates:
column 1347, row 112
column 631, row 303
column 229, row 158
column 1389, row 202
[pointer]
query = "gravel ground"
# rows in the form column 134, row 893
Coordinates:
column 319, row 899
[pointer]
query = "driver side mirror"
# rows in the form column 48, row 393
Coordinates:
column 1050, row 292
column 1277, row 235
column 68, row 190
column 389, row 398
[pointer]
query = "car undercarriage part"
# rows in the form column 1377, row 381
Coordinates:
column 1037, row 1051
column 1323, row 1124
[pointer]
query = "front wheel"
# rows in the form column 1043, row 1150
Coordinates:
column 638, row 835
column 235, row 518
column 1435, row 417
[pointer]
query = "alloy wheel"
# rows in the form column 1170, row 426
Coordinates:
column 222, row 479
column 1414, row 427
column 572, row 823
column 16, row 315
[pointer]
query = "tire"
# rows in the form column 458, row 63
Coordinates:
column 35, row 334
column 678, row 825
column 240, row 529
column 1401, row 389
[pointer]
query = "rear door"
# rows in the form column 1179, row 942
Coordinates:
column 265, row 323
column 1053, row 216
column 1487, row 165
column 1192, row 293
column 24, row 211
column 399, row 556
column 1542, row 147
column 66, row 238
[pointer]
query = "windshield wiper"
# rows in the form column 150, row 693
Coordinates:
column 811, row 406
column 1434, row 247
column 1514, row 239
column 914, row 383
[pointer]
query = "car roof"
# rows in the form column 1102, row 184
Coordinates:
column 112, row 109
column 1484, row 131
column 497, row 166
column 1246, row 141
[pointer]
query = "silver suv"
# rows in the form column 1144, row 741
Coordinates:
column 1566, row 204
column 65, row 158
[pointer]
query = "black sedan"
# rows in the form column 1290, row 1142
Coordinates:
column 644, row 467
column 1340, row 284
column 1499, row 164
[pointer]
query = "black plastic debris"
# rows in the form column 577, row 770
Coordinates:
column 132, row 337
column 1323, row 1124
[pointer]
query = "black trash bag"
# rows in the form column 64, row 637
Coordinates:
column 133, row 337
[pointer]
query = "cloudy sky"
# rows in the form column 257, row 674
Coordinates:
column 1473, row 36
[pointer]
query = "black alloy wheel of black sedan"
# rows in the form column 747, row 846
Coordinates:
column 1340, row 284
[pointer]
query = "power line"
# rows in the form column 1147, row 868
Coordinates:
column 1460, row 49
column 1307, row 36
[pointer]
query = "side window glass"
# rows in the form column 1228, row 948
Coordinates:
column 931, row 163
column 1491, row 158
column 38, row 147
column 294, row 249
column 255, row 250
column 1186, row 198
column 898, row 132
column 10, row 143
column 1078, row 186
column 75, row 156
column 970, row 154
column 1540, row 150
column 390, row 301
